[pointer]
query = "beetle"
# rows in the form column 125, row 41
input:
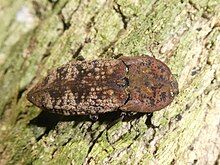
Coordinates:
column 130, row 84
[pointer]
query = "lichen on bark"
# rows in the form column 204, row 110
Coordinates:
column 38, row 35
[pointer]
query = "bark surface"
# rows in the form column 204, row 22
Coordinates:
column 38, row 35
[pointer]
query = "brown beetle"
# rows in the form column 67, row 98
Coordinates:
column 138, row 84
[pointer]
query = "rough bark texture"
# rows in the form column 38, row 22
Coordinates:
column 37, row 35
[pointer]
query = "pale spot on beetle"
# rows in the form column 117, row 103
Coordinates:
column 147, row 90
column 92, row 102
column 98, row 101
column 98, row 89
column 84, row 66
column 107, row 64
column 146, row 70
column 109, row 71
column 97, row 77
column 94, row 97
column 110, row 92
column 76, row 94
column 49, row 104
column 114, row 101
column 58, row 103
column 97, row 69
column 57, row 107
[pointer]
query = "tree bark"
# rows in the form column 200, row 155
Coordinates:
column 38, row 35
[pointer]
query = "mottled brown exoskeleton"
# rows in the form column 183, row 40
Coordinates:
column 138, row 84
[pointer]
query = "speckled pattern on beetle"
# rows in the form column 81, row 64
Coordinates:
column 138, row 84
